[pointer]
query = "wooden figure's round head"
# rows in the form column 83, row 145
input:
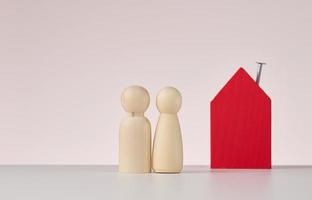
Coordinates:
column 169, row 100
column 135, row 99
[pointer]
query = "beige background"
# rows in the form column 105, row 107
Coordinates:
column 63, row 65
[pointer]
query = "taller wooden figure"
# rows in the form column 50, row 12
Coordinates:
column 135, row 132
column 241, row 125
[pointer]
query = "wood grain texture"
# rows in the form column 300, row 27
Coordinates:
column 241, row 125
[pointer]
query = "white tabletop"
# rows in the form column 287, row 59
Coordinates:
column 196, row 182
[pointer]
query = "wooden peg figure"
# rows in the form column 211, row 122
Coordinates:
column 135, row 132
column 168, row 149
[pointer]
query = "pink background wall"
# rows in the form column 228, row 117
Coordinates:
column 63, row 65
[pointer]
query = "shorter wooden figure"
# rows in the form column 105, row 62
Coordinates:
column 135, row 132
column 168, row 148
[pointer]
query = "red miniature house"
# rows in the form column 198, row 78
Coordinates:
column 241, row 125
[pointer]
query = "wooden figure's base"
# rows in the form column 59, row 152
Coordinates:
column 167, row 172
column 134, row 172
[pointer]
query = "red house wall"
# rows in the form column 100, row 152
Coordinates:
column 241, row 125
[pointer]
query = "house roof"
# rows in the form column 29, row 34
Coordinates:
column 242, row 78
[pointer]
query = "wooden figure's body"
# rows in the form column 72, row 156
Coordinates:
column 168, row 148
column 135, row 133
column 135, row 145
column 241, row 125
